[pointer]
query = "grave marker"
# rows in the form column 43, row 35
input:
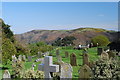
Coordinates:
column 73, row 61
column 6, row 74
column 24, row 58
column 85, row 72
column 29, row 58
column 48, row 67
column 104, row 56
column 85, row 59
column 66, row 54
column 100, row 50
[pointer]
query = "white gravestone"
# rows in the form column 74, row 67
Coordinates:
column 48, row 67
column 6, row 74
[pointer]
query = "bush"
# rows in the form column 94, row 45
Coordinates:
column 101, row 40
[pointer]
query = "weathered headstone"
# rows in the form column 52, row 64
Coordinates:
column 39, row 60
column 57, row 52
column 29, row 58
column 66, row 54
column 48, row 67
column 14, row 59
column 85, row 72
column 6, row 75
column 111, row 54
column 65, row 70
column 104, row 56
column 73, row 60
column 100, row 50
column 39, row 55
column 20, row 57
column 59, row 58
column 24, row 58
column 85, row 59
column 33, row 66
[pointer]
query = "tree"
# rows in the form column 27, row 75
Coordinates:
column 66, row 41
column 101, row 40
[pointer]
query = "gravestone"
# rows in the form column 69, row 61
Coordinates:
column 59, row 58
column 39, row 60
column 39, row 55
column 85, row 59
column 85, row 72
column 20, row 57
column 66, row 54
column 111, row 54
column 6, row 75
column 65, row 70
column 104, row 56
column 48, row 67
column 100, row 50
column 73, row 61
column 24, row 58
column 33, row 66
column 57, row 52
column 29, row 58
column 14, row 59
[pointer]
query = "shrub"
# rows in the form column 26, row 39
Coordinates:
column 101, row 40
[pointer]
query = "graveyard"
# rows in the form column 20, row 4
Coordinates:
column 92, row 56
column 59, row 40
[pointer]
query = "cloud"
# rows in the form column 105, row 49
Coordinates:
column 101, row 15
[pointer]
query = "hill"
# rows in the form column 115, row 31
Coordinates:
column 82, row 35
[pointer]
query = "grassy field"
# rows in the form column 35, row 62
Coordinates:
column 92, row 57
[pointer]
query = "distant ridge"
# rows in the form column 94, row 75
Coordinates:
column 82, row 35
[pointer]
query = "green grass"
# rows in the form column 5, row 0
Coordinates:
column 92, row 57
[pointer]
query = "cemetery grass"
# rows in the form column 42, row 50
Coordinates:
column 92, row 57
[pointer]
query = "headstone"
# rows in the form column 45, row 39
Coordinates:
column 33, row 66
column 39, row 55
column 65, row 71
column 73, row 61
column 85, row 59
column 14, row 59
column 39, row 60
column 85, row 72
column 100, row 50
column 24, row 58
column 6, row 74
column 66, row 54
column 59, row 58
column 48, row 67
column 29, row 58
column 111, row 54
column 20, row 57
column 104, row 56
column 57, row 52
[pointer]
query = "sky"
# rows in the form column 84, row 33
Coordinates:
column 27, row 16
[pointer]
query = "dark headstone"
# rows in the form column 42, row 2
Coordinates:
column 85, row 59
column 66, row 54
column 100, row 50
column 73, row 61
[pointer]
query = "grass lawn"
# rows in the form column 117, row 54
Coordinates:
column 92, row 57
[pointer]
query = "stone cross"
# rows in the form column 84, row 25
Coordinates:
column 48, row 67
column 73, row 60
column 6, row 74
